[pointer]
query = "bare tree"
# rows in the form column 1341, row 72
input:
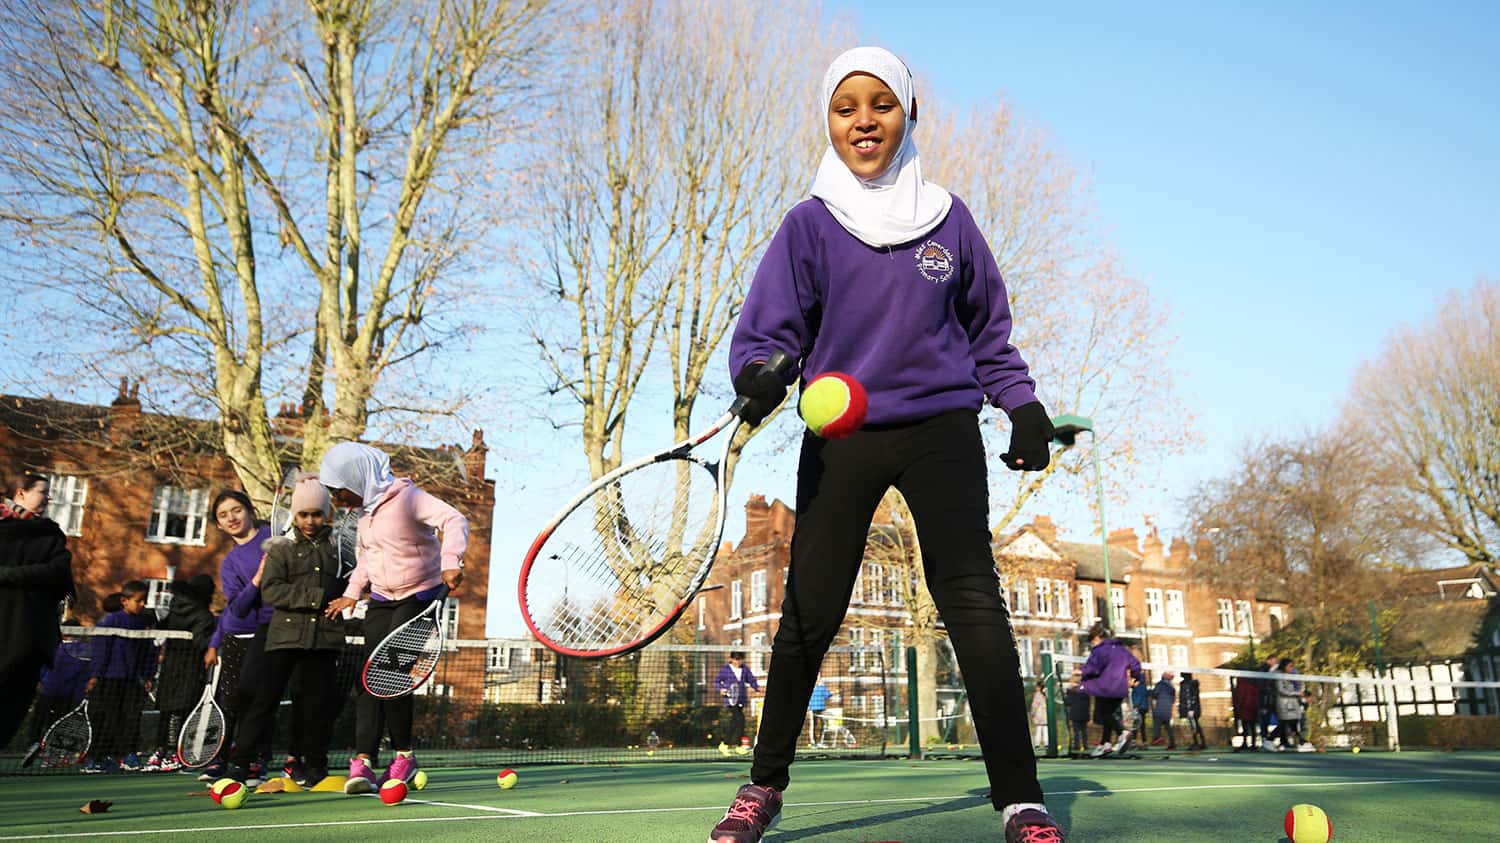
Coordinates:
column 1431, row 407
column 216, row 180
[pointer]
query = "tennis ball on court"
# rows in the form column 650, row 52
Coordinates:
column 216, row 790
column 419, row 781
column 833, row 405
column 233, row 795
column 1355, row 750
column 1308, row 824
column 393, row 791
column 507, row 779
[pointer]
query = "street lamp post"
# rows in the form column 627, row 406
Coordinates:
column 1065, row 430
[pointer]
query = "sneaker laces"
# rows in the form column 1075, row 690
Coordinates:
column 746, row 809
column 1041, row 834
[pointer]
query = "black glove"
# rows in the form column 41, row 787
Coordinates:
column 763, row 389
column 1030, row 438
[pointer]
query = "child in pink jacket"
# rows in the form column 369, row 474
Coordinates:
column 411, row 546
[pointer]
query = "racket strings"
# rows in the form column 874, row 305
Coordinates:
column 67, row 741
column 623, row 560
column 202, row 735
column 404, row 659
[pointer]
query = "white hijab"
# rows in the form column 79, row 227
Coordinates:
column 898, row 206
column 359, row 468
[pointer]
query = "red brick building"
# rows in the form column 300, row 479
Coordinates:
column 132, row 489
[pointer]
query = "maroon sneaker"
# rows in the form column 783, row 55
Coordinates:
column 1032, row 826
column 754, row 811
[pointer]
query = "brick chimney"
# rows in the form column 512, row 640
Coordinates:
column 757, row 521
column 289, row 421
column 1045, row 527
column 1151, row 550
column 1180, row 556
column 1125, row 539
column 125, row 412
column 475, row 457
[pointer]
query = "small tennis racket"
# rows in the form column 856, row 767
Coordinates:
column 617, row 566
column 408, row 654
column 68, row 739
column 203, row 733
column 346, row 540
column 281, row 505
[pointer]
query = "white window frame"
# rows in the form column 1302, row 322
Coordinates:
column 1158, row 654
column 702, row 624
column 856, row 643
column 1180, row 655
column 450, row 618
column 497, row 658
column 1226, row 615
column 895, row 641
column 858, row 594
column 1043, row 598
column 1155, row 608
column 1023, row 596
column 1089, row 611
column 168, row 502
column 758, row 591
column 1117, row 606
column 757, row 654
column 1176, row 609
column 1244, row 612
column 1279, row 618
column 1064, row 599
column 736, row 600
column 875, row 584
column 1024, row 653
column 159, row 592
column 69, row 497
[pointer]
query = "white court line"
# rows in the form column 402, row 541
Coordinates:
column 490, row 808
column 719, row 807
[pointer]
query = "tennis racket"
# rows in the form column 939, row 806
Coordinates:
column 346, row 540
column 68, row 739
column 617, row 566
column 203, row 733
column 281, row 505
column 408, row 654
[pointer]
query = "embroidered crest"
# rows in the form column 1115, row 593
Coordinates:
column 935, row 262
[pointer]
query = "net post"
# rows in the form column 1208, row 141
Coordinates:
column 913, row 714
column 1049, row 680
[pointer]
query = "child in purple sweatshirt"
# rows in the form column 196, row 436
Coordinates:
column 122, row 670
column 885, row 276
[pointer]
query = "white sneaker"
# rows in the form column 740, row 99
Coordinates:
column 1307, row 747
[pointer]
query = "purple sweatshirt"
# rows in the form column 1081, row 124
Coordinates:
column 112, row 657
column 1106, row 672
column 245, row 612
column 925, row 326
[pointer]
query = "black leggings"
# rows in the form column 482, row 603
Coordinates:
column 372, row 714
column 313, row 706
column 939, row 467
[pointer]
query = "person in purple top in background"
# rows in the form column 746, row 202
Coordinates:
column 885, row 276
column 240, row 637
column 60, row 692
column 1106, row 678
column 121, row 673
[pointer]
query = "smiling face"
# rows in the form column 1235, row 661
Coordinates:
column 234, row 519
column 35, row 497
column 866, row 124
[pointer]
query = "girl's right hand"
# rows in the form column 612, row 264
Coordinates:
column 338, row 604
column 210, row 657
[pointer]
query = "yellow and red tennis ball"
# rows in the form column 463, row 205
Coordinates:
column 833, row 405
column 233, row 795
column 217, row 789
column 1308, row 824
column 507, row 779
column 393, row 791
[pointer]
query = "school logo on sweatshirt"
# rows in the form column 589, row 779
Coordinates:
column 935, row 262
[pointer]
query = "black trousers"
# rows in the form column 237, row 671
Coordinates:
column 737, row 724
column 48, row 709
column 241, row 673
column 115, row 717
column 939, row 466
column 313, row 704
column 373, row 715
column 1078, row 735
column 18, row 684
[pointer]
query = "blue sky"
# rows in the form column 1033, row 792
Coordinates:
column 1292, row 184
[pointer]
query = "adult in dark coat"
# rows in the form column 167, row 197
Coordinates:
column 1163, row 695
column 36, row 573
column 182, row 674
column 1190, row 708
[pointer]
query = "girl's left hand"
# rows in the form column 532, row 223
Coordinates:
column 259, row 572
column 338, row 604
column 453, row 578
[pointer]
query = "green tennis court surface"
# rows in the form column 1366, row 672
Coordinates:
column 1374, row 796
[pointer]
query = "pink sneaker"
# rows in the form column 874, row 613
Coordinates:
column 403, row 767
column 361, row 777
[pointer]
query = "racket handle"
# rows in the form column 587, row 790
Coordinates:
column 778, row 362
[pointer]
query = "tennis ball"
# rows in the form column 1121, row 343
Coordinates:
column 393, row 791
column 217, row 789
column 1355, row 750
column 1308, row 824
column 833, row 405
column 419, row 781
column 233, row 795
column 507, row 779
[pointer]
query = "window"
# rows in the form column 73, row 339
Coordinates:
column 858, row 594
column 1154, row 609
column 1023, row 597
column 701, row 624
column 496, row 658
column 875, row 584
column 856, row 642
column 1117, row 606
column 895, row 641
column 1044, row 598
column 876, row 644
column 757, row 655
column 1023, row 651
column 177, row 515
column 1064, row 600
column 1176, row 612
column 68, row 496
column 1180, row 655
column 757, row 591
column 1226, row 615
column 1246, row 615
column 1065, row 646
column 1158, row 654
column 1088, row 611
column 1045, row 646
column 1276, row 618
column 736, row 600
column 159, row 593
column 893, row 584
